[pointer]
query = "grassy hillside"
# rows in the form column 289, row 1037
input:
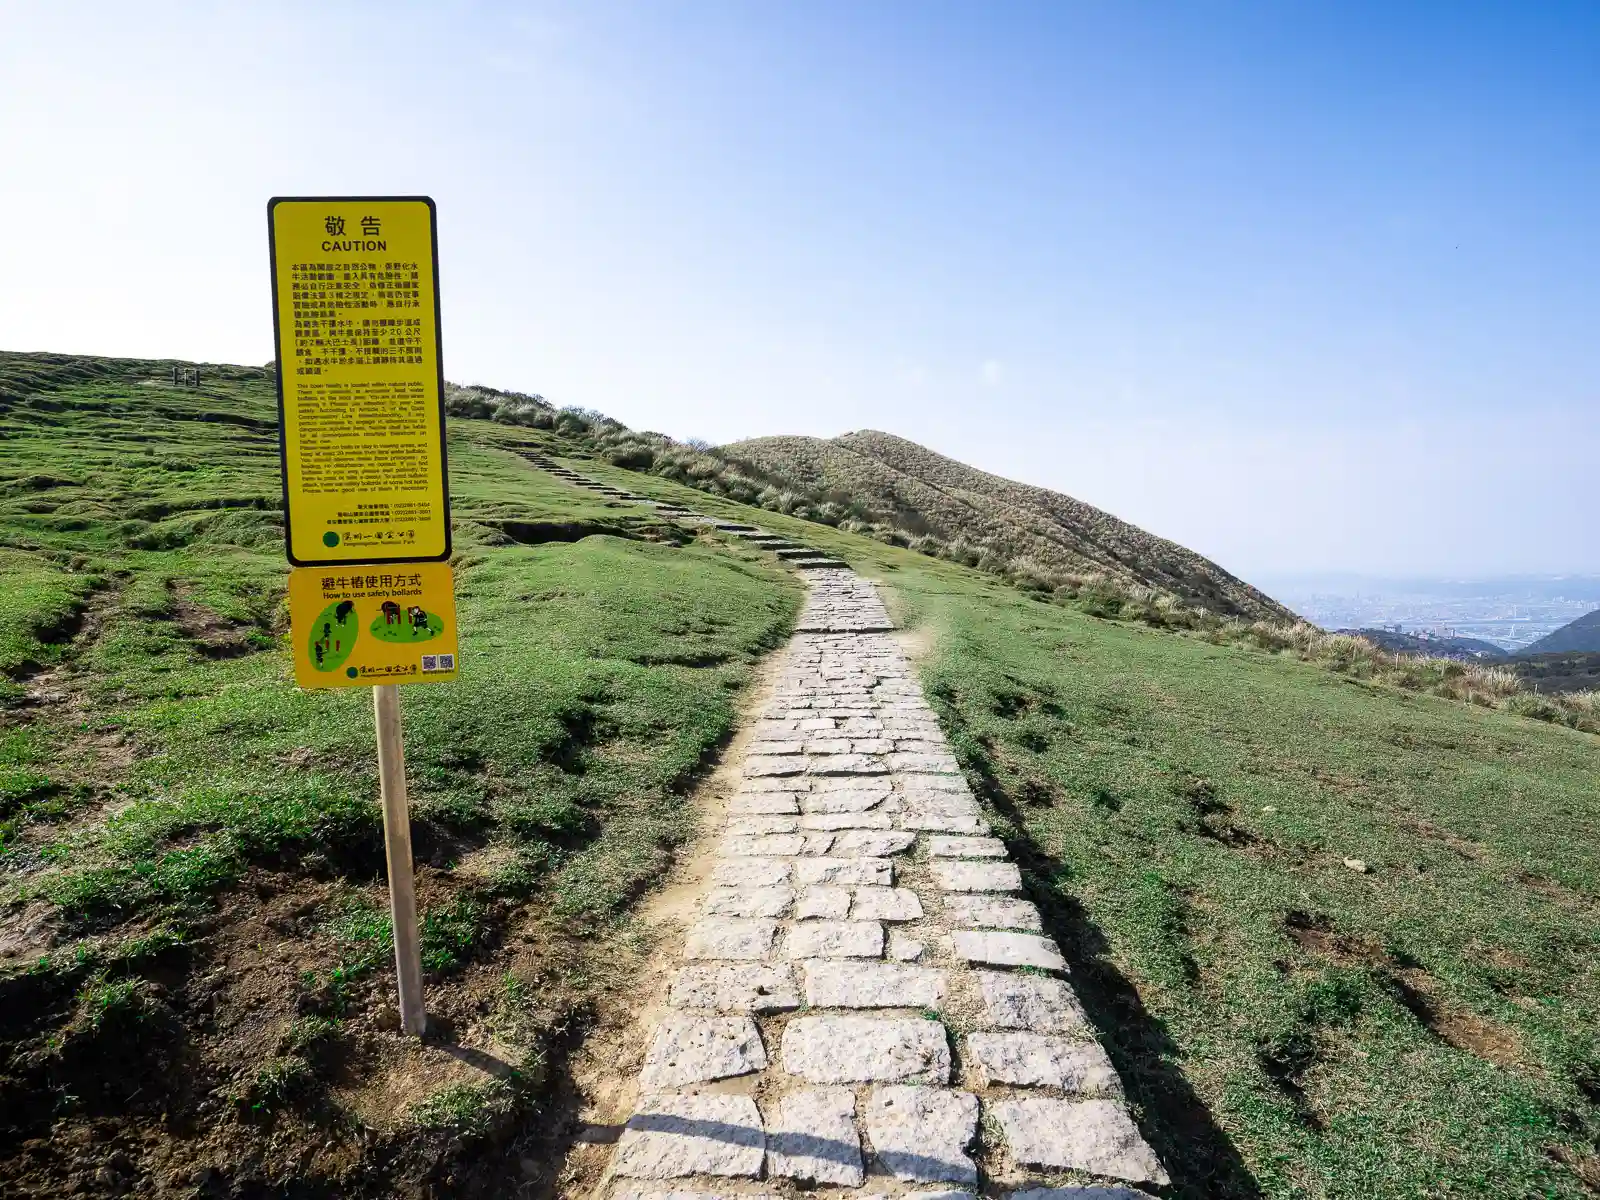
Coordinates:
column 193, row 933
column 927, row 494
column 1339, row 936
column 1576, row 637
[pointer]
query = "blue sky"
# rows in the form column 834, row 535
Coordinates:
column 1305, row 287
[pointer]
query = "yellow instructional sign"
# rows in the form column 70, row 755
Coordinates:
column 360, row 626
column 355, row 306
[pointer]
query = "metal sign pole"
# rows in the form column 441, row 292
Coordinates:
column 397, row 852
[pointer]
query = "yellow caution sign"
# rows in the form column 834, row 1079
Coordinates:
column 355, row 306
column 360, row 626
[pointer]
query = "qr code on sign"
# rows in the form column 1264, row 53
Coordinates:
column 438, row 662
column 430, row 662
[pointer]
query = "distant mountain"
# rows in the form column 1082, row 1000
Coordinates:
column 1422, row 646
column 1579, row 637
column 1558, row 672
column 920, row 492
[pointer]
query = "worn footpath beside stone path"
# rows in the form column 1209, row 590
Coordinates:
column 866, row 1004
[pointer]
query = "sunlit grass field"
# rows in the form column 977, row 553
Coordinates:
column 1338, row 937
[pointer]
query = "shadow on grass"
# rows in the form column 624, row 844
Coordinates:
column 1180, row 1129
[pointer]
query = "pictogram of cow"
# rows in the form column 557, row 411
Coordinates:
column 391, row 612
column 344, row 610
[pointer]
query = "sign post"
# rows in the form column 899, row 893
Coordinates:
column 366, row 499
column 397, row 856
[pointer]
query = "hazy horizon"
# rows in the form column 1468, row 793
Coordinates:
column 1306, row 291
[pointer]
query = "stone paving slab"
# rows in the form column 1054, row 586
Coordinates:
column 1008, row 949
column 736, row 987
column 812, row 1136
column 1040, row 1060
column 966, row 847
column 835, row 984
column 693, row 1049
column 886, row 904
column 835, row 939
column 866, row 1050
column 977, row 876
column 748, row 902
column 1096, row 1136
column 731, row 938
column 751, row 873
column 993, row 912
column 844, row 872
column 1039, row 1003
column 923, row 1133
column 671, row 1136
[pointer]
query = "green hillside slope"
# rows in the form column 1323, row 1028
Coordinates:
column 1576, row 637
column 1339, row 937
column 924, row 492
column 194, row 940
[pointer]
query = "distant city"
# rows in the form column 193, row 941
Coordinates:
column 1510, row 612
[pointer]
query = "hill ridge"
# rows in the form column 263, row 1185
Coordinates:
column 1580, row 636
column 928, row 494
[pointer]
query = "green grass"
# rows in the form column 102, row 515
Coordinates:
column 596, row 674
column 1184, row 811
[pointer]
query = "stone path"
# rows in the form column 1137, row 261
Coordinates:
column 867, row 1005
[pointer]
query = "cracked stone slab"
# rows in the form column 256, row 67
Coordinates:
column 671, row 1136
column 977, row 876
column 835, row 939
column 1076, row 1193
column 867, row 843
column 1097, row 1136
column 1040, row 1060
column 831, row 1049
column 887, row 904
column 873, row 985
column 693, row 1049
column 824, row 902
column 838, row 803
column 750, row 872
column 921, row 1134
column 730, row 938
column 738, row 987
column 747, row 901
column 1035, row 1002
column 966, row 847
column 993, row 912
column 813, row 1136
column 844, row 872
column 1008, row 949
